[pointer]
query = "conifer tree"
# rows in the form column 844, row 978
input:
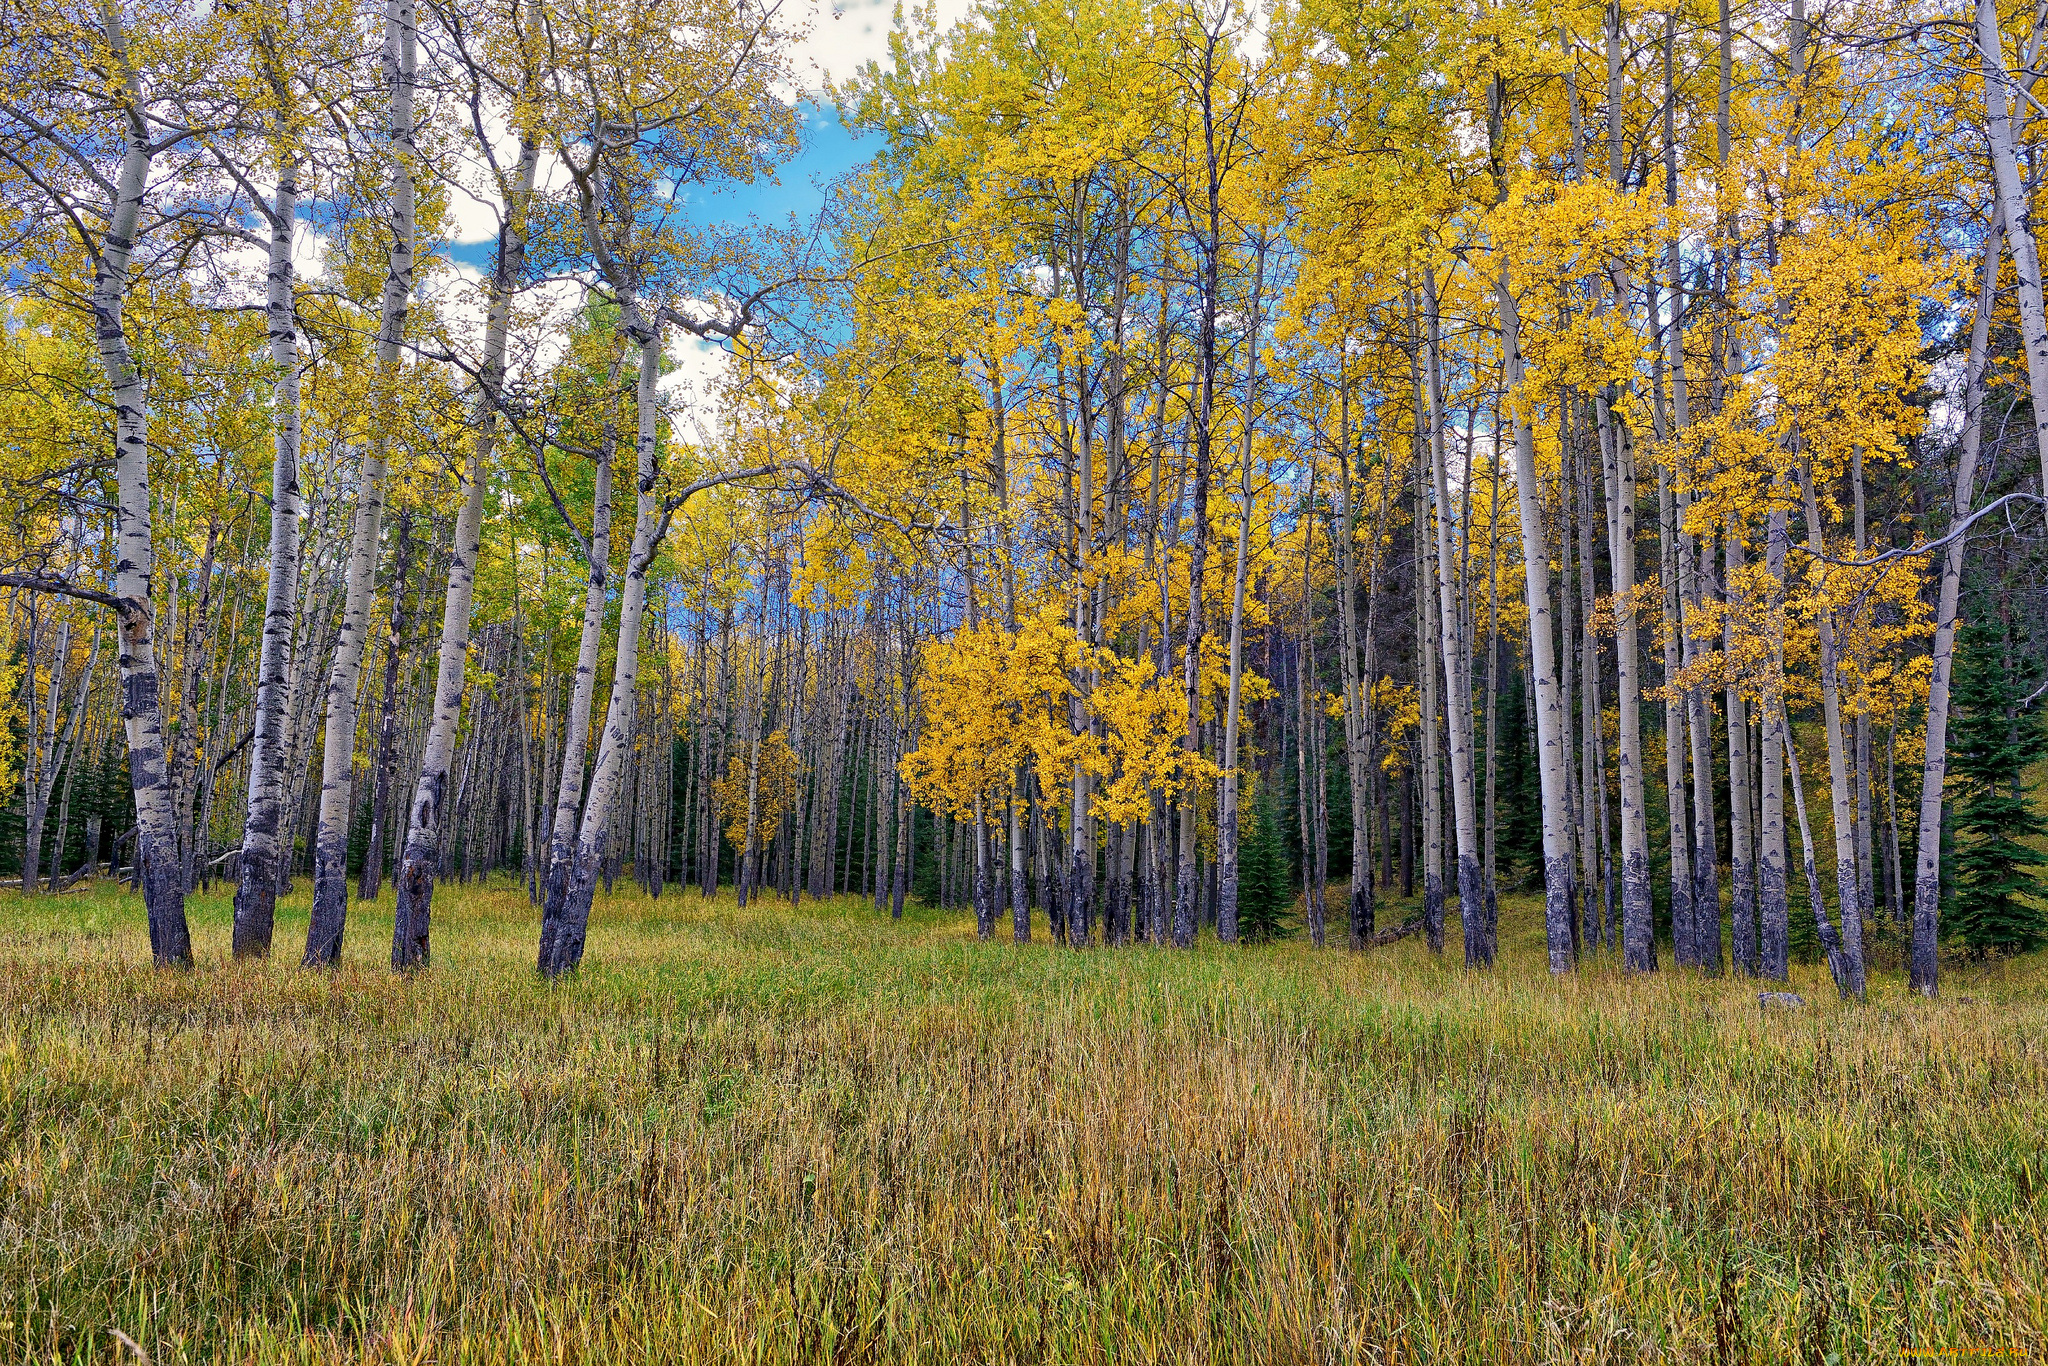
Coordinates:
column 1265, row 891
column 2001, row 899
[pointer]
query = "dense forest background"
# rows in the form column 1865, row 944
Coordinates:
column 1210, row 471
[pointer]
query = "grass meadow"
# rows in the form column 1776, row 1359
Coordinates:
column 818, row 1136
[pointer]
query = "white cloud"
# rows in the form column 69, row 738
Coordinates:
column 845, row 36
column 473, row 210
column 689, row 391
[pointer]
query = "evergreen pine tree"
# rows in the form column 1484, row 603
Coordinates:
column 1518, row 853
column 1265, row 888
column 2001, row 903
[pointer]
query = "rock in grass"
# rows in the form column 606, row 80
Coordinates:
column 1782, row 1000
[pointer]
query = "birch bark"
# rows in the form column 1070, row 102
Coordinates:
column 1924, row 969
column 156, row 840
column 414, row 886
column 1742, row 867
column 1357, row 741
column 2016, row 211
column 1550, row 755
column 337, row 764
column 256, row 890
column 1479, row 945
column 1638, row 944
column 1840, row 774
column 590, row 638
column 562, row 940
column 1773, row 887
column 370, row 880
column 1227, row 797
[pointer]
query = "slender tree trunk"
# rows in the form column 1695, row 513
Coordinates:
column 384, row 772
column 1490, row 882
column 1742, row 868
column 906, row 833
column 1589, row 929
column 1695, row 895
column 1840, row 772
column 1308, row 754
column 1639, row 945
column 68, row 755
column 1428, row 770
column 564, row 950
column 337, row 766
column 52, row 745
column 1357, row 740
column 1592, row 714
column 1895, row 883
column 1706, row 881
column 420, row 854
column 1866, row 880
column 156, row 840
column 2016, row 212
column 1848, row 976
column 1184, row 910
column 984, row 897
column 583, row 684
column 522, row 683
column 1774, row 884
column 714, row 825
column 885, row 884
column 1479, row 938
column 256, row 889
column 1551, row 759
column 39, row 769
column 754, row 713
column 1924, row 971
column 1020, row 897
column 194, row 663
column 1684, row 931
column 1226, row 804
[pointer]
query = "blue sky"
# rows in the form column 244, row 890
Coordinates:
column 829, row 152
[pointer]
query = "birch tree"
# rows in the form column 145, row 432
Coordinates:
column 83, row 141
column 400, row 74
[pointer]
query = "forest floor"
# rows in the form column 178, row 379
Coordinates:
column 815, row 1135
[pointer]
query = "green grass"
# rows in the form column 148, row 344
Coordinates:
column 818, row 1136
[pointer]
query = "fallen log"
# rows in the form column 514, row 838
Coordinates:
column 1396, row 934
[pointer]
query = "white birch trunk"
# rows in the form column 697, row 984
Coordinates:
column 1848, row 980
column 1934, row 775
column 1638, row 943
column 419, row 857
column 2015, row 208
column 1479, row 939
column 52, row 739
column 1550, row 745
column 337, row 761
column 1742, row 896
column 562, row 950
column 256, row 889
column 156, row 837
column 1773, row 882
column 1357, row 752
column 583, row 686
column 1682, row 926
column 1227, row 796
column 1839, row 771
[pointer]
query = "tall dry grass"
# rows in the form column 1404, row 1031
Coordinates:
column 817, row 1136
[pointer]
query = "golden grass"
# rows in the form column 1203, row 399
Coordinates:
column 817, row 1136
